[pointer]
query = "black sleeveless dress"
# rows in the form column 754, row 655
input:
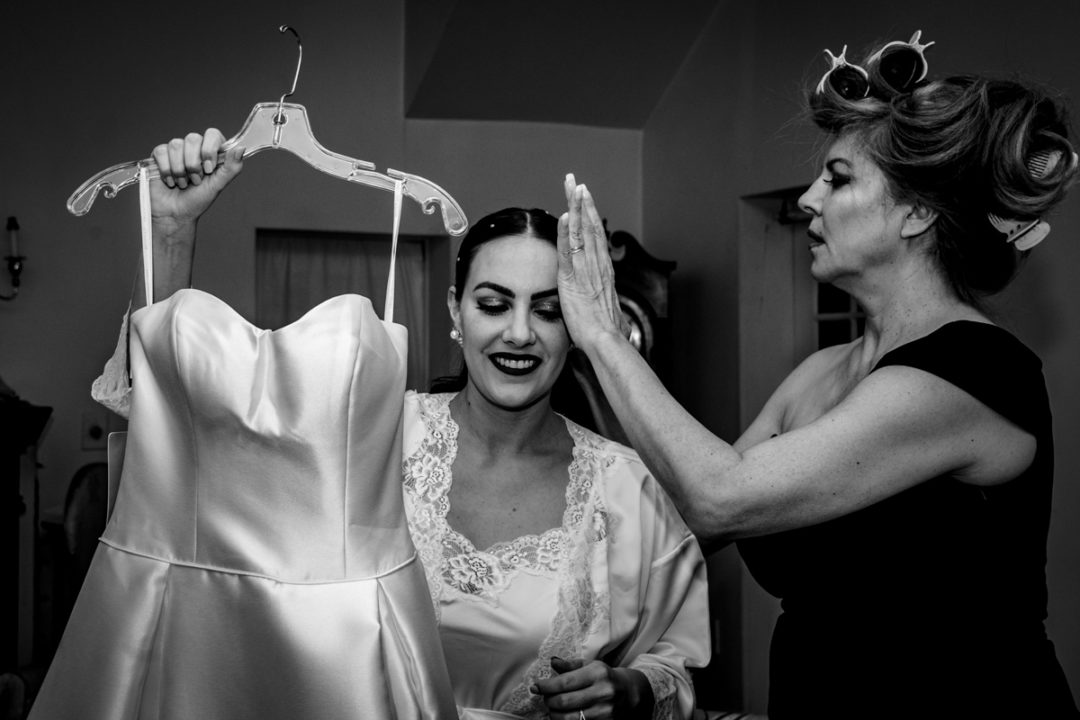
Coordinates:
column 930, row 603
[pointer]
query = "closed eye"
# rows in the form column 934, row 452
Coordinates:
column 835, row 172
column 492, row 306
column 551, row 312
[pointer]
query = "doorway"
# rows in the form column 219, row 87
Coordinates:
column 784, row 316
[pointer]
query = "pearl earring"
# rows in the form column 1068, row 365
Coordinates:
column 455, row 335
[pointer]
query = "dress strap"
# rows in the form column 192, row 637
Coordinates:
column 147, row 237
column 388, row 310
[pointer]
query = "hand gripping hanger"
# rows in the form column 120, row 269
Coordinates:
column 285, row 126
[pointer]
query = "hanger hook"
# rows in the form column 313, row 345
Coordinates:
column 296, row 77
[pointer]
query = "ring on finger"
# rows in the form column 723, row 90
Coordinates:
column 575, row 249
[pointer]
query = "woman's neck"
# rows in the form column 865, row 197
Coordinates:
column 501, row 430
column 904, row 307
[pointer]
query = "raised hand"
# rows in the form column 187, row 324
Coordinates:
column 190, row 177
column 590, row 304
column 189, row 180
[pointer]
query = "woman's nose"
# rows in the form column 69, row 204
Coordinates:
column 519, row 331
column 810, row 201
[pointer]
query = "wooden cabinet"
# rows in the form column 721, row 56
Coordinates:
column 22, row 427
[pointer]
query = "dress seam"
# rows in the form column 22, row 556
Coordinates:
column 249, row 573
column 174, row 333
column 348, row 465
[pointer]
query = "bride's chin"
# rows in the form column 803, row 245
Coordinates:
column 510, row 405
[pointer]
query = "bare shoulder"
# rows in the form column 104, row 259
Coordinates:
column 817, row 366
column 817, row 369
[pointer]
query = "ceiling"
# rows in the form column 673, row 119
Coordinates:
column 587, row 62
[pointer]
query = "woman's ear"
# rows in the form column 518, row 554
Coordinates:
column 918, row 220
column 454, row 307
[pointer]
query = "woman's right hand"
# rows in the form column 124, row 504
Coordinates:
column 190, row 178
column 587, row 295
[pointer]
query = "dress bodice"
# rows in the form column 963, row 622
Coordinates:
column 265, row 444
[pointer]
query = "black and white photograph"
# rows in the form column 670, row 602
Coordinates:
column 566, row 360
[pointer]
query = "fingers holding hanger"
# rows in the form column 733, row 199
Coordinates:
column 192, row 150
column 173, row 170
column 193, row 170
column 170, row 161
column 214, row 163
column 188, row 160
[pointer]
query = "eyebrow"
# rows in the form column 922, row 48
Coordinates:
column 510, row 293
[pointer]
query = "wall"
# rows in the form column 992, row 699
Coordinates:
column 105, row 82
column 729, row 126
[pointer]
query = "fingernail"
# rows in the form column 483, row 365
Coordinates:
column 208, row 166
column 170, row 182
column 196, row 179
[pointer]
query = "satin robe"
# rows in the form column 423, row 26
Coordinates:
column 621, row 579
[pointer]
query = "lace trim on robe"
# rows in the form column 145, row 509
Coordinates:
column 113, row 387
column 664, row 691
column 574, row 554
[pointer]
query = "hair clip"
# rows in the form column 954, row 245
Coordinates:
column 1026, row 234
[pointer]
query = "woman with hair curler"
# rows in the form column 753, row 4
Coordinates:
column 895, row 490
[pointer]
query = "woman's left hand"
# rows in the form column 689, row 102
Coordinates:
column 594, row 690
column 587, row 296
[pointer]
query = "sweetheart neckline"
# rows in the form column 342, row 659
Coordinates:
column 177, row 297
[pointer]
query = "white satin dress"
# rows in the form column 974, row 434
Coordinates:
column 257, row 563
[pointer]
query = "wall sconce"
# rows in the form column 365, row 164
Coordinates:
column 14, row 260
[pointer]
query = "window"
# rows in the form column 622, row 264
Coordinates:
column 837, row 316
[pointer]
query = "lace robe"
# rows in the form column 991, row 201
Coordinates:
column 622, row 579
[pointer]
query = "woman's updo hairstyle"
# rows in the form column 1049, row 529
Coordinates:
column 966, row 147
column 535, row 223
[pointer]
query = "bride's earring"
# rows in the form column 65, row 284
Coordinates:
column 455, row 335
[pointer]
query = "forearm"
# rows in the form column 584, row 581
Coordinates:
column 174, row 253
column 174, row 247
column 692, row 464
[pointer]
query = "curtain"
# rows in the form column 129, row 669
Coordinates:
column 296, row 270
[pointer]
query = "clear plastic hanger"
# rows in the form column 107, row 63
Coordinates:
column 285, row 126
